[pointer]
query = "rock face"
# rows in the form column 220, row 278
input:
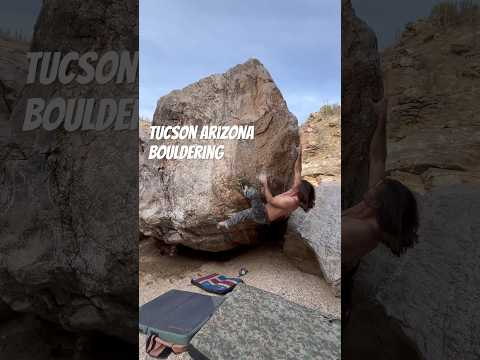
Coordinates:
column 432, row 293
column 431, row 79
column 182, row 200
column 68, row 249
column 361, row 82
column 313, row 239
column 320, row 137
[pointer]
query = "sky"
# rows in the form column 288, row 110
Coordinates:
column 20, row 15
column 182, row 41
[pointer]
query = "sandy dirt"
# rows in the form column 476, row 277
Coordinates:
column 268, row 269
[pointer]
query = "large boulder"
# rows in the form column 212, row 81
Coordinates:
column 431, row 80
column 182, row 200
column 312, row 241
column 361, row 82
column 429, row 298
column 68, row 249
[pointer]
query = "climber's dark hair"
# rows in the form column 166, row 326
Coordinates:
column 397, row 216
column 306, row 195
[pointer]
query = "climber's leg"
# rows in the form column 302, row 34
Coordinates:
column 258, row 207
column 237, row 218
column 256, row 213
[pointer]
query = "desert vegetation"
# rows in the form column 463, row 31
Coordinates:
column 330, row 109
column 14, row 34
column 453, row 12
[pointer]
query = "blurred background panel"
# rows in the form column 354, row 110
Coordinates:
column 68, row 200
column 423, row 57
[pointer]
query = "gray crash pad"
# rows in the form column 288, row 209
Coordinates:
column 177, row 315
column 255, row 324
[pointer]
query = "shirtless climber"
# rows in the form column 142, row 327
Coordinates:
column 302, row 194
column 387, row 214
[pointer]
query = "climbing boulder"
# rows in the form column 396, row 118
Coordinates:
column 182, row 200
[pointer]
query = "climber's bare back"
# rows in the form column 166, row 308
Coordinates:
column 288, row 203
column 359, row 237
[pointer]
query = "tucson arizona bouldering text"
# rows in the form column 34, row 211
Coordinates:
column 195, row 151
column 82, row 113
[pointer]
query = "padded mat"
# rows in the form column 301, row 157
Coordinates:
column 216, row 283
column 177, row 315
column 255, row 324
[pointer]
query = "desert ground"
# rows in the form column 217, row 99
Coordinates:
column 268, row 269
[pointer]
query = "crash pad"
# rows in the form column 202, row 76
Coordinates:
column 255, row 324
column 176, row 315
column 216, row 283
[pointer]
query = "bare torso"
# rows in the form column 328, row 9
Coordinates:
column 290, row 197
column 360, row 234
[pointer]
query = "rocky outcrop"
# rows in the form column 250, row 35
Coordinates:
column 182, row 200
column 431, row 80
column 312, row 241
column 68, row 239
column 320, row 138
column 361, row 82
column 431, row 294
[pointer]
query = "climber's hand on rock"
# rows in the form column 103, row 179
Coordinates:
column 263, row 179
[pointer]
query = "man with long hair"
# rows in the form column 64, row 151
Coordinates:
column 301, row 194
column 387, row 214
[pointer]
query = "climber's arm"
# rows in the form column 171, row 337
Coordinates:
column 297, row 169
column 280, row 202
column 378, row 145
column 266, row 190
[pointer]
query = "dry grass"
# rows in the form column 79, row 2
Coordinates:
column 330, row 109
column 14, row 35
column 454, row 12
